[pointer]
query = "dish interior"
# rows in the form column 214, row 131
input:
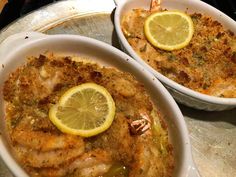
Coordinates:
column 198, row 100
column 107, row 56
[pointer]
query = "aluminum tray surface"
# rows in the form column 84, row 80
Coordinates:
column 212, row 134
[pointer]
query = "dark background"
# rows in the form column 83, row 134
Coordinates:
column 16, row 8
column 226, row 6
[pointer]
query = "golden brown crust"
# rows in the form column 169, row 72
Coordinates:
column 206, row 65
column 45, row 151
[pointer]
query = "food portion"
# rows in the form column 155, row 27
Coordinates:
column 207, row 64
column 136, row 143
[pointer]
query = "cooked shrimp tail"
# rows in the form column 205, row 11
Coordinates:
column 155, row 5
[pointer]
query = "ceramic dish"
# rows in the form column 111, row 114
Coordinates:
column 32, row 44
column 182, row 94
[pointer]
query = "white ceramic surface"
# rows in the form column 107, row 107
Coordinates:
column 182, row 94
column 15, row 49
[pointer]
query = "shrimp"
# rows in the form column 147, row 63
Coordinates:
column 148, row 160
column 132, row 26
column 145, row 159
column 124, row 87
column 91, row 164
column 94, row 163
column 35, row 87
column 155, row 5
column 34, row 158
column 132, row 23
column 42, row 141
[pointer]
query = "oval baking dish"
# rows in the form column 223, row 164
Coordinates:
column 182, row 94
column 33, row 44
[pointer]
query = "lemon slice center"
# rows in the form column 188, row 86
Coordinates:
column 169, row 30
column 84, row 110
column 88, row 107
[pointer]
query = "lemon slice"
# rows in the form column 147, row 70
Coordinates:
column 169, row 30
column 85, row 110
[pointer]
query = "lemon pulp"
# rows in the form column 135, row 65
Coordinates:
column 85, row 110
column 169, row 30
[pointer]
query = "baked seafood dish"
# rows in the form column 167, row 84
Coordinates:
column 135, row 144
column 207, row 64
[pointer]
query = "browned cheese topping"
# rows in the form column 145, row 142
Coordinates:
column 206, row 65
column 136, row 144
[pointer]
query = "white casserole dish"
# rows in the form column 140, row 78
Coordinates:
column 33, row 44
column 182, row 94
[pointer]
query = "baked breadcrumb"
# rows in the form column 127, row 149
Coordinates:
column 43, row 150
column 206, row 65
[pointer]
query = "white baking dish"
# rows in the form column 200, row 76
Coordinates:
column 180, row 93
column 15, row 49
